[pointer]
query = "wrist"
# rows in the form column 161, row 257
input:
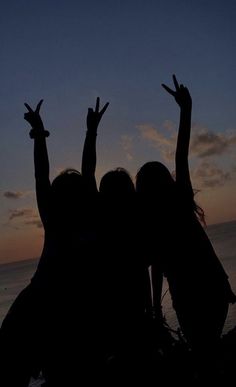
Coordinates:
column 186, row 109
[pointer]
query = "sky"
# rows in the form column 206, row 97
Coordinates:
column 70, row 52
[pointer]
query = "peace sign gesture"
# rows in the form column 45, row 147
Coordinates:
column 181, row 94
column 94, row 116
column 34, row 119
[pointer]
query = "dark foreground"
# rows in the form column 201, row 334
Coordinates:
column 170, row 362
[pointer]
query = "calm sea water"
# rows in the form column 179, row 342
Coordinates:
column 15, row 276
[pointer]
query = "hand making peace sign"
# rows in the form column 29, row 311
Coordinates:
column 181, row 94
column 34, row 119
column 94, row 116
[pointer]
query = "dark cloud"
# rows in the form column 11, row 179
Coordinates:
column 27, row 217
column 23, row 212
column 204, row 143
column 207, row 143
column 210, row 175
column 34, row 222
column 12, row 194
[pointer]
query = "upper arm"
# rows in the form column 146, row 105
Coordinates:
column 183, row 179
column 89, row 161
column 182, row 150
column 43, row 188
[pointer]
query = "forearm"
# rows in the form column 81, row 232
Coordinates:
column 182, row 149
column 89, row 157
column 183, row 139
column 41, row 161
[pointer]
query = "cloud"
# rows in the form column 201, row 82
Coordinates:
column 35, row 222
column 23, row 212
column 210, row 175
column 151, row 134
column 127, row 145
column 156, row 139
column 26, row 216
column 169, row 125
column 206, row 143
column 13, row 194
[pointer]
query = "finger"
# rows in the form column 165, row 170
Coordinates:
column 28, row 108
column 175, row 82
column 90, row 110
column 186, row 90
column 39, row 106
column 97, row 105
column 170, row 91
column 104, row 109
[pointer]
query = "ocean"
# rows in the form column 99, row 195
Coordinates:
column 15, row 276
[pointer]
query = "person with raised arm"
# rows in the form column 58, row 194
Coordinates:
column 21, row 327
column 54, row 310
column 89, row 156
column 198, row 283
column 67, row 270
column 126, row 285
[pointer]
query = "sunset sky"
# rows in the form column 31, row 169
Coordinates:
column 70, row 52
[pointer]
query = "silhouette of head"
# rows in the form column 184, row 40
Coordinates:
column 117, row 183
column 67, row 191
column 154, row 178
column 68, row 182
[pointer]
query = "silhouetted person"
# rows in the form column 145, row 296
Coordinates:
column 125, row 275
column 19, row 330
column 50, row 324
column 198, row 284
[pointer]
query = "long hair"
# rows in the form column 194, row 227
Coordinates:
column 199, row 212
column 154, row 178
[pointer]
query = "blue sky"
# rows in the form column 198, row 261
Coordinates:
column 70, row 52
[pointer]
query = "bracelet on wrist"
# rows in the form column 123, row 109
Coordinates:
column 34, row 133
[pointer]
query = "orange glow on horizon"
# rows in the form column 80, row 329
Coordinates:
column 21, row 245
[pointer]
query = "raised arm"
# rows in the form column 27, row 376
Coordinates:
column 183, row 99
column 41, row 162
column 89, row 152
